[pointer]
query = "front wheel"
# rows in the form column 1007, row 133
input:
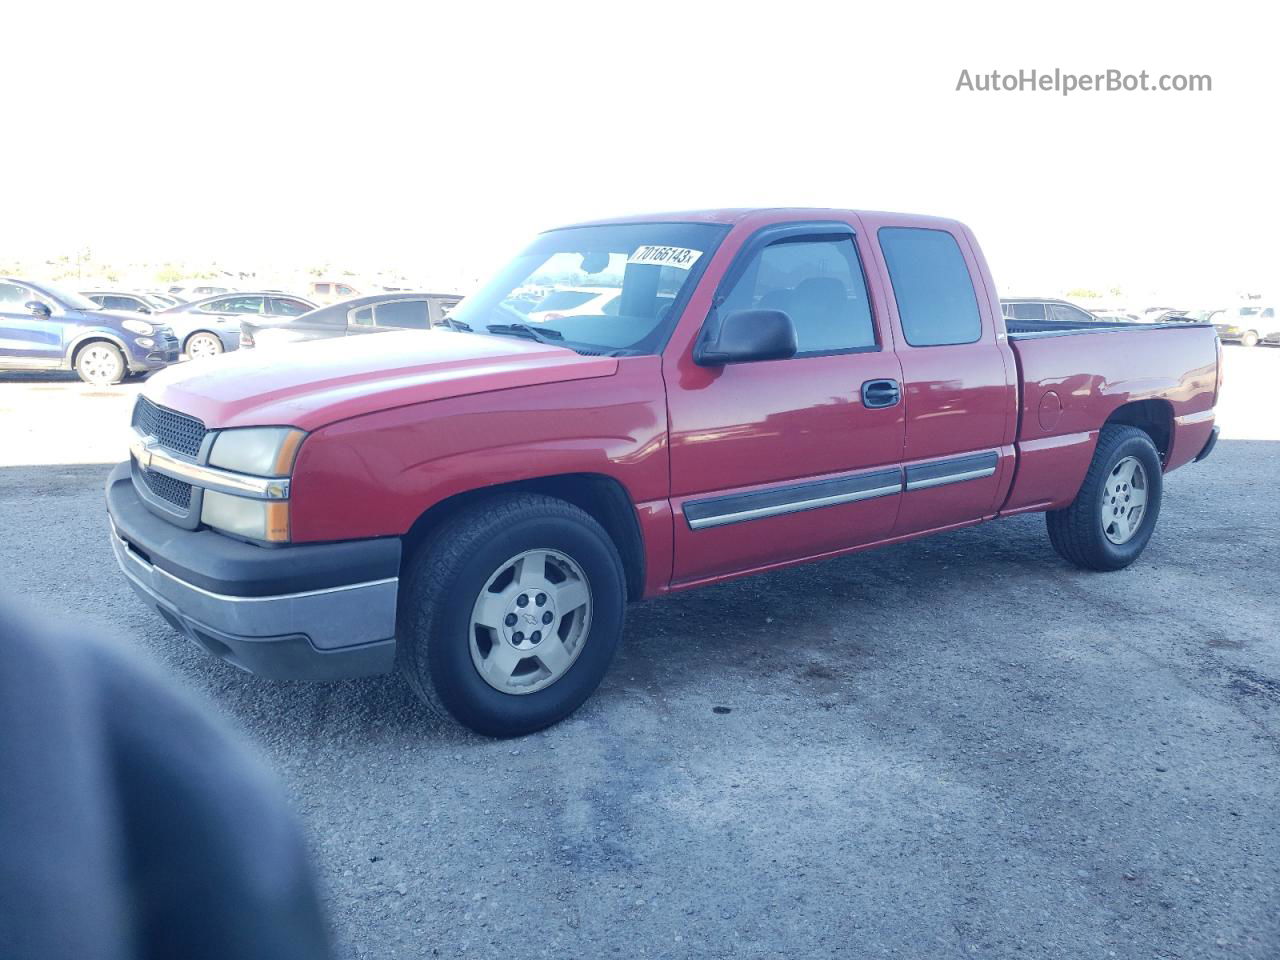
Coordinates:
column 1113, row 516
column 511, row 613
column 101, row 364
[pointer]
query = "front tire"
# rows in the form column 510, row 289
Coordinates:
column 101, row 364
column 1112, row 518
column 510, row 614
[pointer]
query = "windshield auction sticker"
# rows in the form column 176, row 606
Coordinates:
column 679, row 257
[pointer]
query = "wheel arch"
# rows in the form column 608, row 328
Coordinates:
column 195, row 333
column 93, row 336
column 1153, row 417
column 602, row 497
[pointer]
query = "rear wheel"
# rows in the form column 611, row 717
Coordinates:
column 203, row 345
column 511, row 613
column 1250, row 339
column 1113, row 516
column 100, row 363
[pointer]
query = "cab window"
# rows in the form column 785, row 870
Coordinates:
column 936, row 302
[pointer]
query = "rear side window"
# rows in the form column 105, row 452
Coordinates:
column 1025, row 311
column 931, row 283
column 567, row 299
column 1068, row 314
column 284, row 307
column 407, row 314
column 819, row 285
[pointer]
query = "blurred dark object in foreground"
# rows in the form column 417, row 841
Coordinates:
column 131, row 823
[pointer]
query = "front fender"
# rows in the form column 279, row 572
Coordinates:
column 375, row 475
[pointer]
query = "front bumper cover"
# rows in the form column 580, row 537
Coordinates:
column 311, row 611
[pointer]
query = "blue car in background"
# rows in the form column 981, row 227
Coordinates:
column 44, row 328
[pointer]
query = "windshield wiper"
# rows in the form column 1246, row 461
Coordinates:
column 541, row 334
column 453, row 324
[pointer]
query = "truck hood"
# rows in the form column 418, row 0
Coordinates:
column 313, row 384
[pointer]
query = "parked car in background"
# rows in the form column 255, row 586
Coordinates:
column 1205, row 316
column 331, row 291
column 371, row 314
column 1036, row 308
column 189, row 293
column 1249, row 324
column 211, row 326
column 122, row 300
column 576, row 301
column 476, row 508
column 45, row 328
column 168, row 299
column 1115, row 316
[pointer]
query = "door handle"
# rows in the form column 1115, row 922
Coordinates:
column 881, row 393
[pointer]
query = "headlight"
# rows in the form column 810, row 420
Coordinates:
column 256, row 519
column 138, row 326
column 261, row 451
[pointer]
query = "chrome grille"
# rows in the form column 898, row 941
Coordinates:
column 177, row 492
column 172, row 430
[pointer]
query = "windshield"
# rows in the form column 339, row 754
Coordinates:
column 68, row 299
column 606, row 289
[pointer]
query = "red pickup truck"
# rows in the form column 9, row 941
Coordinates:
column 475, row 504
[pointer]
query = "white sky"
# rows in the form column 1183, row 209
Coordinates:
column 436, row 138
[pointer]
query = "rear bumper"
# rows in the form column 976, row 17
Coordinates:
column 1208, row 446
column 314, row 612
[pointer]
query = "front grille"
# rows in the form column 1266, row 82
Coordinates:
column 172, row 430
column 177, row 492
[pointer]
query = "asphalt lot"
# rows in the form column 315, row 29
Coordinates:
column 955, row 747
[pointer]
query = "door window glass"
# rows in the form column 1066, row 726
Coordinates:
column 818, row 284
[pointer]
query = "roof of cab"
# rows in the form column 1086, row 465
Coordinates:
column 730, row 216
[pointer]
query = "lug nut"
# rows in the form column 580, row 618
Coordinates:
column 542, row 599
column 510, row 620
column 536, row 637
column 546, row 617
column 522, row 600
column 517, row 637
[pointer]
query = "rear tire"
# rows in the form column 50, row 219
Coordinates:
column 1250, row 339
column 101, row 364
column 462, row 641
column 1106, row 528
column 202, row 345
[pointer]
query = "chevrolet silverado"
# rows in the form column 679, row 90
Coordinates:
column 475, row 505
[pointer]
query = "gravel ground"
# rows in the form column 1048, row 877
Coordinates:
column 954, row 747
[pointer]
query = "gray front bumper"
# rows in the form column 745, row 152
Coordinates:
column 337, row 632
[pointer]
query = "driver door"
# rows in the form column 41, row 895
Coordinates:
column 780, row 460
column 28, row 341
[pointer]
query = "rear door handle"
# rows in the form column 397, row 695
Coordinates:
column 881, row 393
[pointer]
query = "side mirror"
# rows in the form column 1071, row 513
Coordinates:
column 745, row 336
column 37, row 308
column 144, row 310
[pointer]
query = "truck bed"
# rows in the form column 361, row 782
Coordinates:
column 1023, row 329
column 1070, row 385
